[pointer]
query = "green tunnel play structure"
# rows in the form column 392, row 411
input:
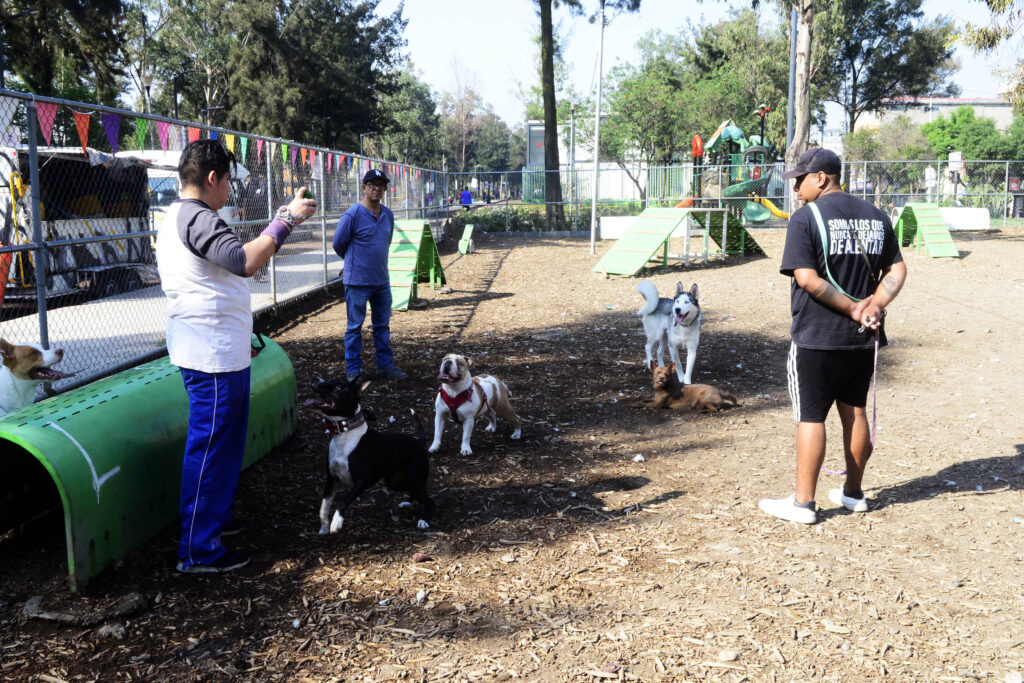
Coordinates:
column 109, row 453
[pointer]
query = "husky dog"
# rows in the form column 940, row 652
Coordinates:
column 671, row 322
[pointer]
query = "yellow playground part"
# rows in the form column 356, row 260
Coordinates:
column 775, row 211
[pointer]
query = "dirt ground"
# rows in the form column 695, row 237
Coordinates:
column 559, row 557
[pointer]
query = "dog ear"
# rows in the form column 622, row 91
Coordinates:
column 693, row 291
column 672, row 366
column 6, row 348
column 679, row 289
column 469, row 362
column 654, row 364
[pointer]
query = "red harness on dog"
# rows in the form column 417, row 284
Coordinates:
column 454, row 402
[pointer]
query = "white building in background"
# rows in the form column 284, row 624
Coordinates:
column 926, row 109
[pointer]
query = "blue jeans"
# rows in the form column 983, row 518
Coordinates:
column 218, row 418
column 379, row 298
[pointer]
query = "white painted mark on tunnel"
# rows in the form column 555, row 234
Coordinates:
column 97, row 481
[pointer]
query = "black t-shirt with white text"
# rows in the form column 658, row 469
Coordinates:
column 815, row 325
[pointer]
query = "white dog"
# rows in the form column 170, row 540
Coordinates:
column 464, row 398
column 671, row 322
column 25, row 367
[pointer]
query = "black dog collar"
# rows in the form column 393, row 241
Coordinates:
column 346, row 424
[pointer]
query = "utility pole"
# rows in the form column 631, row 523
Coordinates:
column 597, row 142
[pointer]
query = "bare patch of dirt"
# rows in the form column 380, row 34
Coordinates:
column 559, row 557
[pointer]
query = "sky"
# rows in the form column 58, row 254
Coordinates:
column 492, row 42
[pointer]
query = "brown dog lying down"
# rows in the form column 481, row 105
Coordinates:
column 670, row 393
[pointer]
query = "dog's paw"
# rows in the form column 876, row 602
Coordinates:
column 466, row 450
column 516, row 434
column 405, row 504
column 422, row 524
column 324, row 530
column 336, row 523
column 434, row 447
column 491, row 427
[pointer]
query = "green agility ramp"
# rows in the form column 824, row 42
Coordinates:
column 113, row 449
column 738, row 240
column 638, row 245
column 466, row 243
column 412, row 259
column 922, row 224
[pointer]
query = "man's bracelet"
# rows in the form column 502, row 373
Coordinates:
column 285, row 214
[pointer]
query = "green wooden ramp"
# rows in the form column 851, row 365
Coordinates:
column 922, row 225
column 412, row 259
column 466, row 243
column 648, row 234
column 739, row 241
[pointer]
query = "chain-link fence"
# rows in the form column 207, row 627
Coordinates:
column 523, row 199
column 83, row 189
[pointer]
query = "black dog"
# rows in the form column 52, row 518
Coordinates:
column 360, row 456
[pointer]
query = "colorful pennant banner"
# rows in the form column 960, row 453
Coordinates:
column 161, row 131
column 112, row 126
column 46, row 112
column 82, row 126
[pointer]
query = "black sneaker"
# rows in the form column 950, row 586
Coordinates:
column 235, row 527
column 229, row 561
column 391, row 373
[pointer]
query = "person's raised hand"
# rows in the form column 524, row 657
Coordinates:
column 302, row 207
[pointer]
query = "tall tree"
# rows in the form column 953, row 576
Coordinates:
column 411, row 122
column 144, row 20
column 461, row 125
column 552, row 179
column 882, row 50
column 354, row 54
column 82, row 33
column 1006, row 23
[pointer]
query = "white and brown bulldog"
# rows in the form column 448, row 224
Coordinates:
column 464, row 398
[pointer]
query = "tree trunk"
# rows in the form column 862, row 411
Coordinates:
column 552, row 180
column 802, row 103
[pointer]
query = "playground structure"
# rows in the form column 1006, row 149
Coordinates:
column 110, row 453
column 747, row 164
column 922, row 226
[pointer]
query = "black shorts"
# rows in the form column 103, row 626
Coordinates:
column 817, row 379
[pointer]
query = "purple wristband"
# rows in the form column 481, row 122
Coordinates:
column 279, row 230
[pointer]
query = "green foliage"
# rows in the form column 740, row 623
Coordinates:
column 70, row 36
column 899, row 139
column 1006, row 22
column 532, row 218
column 412, row 129
column 880, row 50
column 962, row 131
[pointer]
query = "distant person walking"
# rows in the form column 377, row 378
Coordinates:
column 362, row 239
column 466, row 199
column 846, row 266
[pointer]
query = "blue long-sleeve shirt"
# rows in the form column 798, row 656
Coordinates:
column 363, row 240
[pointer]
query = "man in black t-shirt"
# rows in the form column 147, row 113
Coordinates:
column 846, row 266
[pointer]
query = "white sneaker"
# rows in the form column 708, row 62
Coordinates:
column 786, row 508
column 854, row 504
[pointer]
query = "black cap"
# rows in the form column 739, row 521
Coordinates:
column 375, row 174
column 814, row 160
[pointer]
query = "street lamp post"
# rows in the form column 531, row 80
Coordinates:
column 597, row 140
column 312, row 130
column 3, row 31
column 205, row 114
column 361, row 136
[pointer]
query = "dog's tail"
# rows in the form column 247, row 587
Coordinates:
column 650, row 294
column 421, row 434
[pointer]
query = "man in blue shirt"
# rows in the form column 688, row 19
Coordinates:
column 362, row 239
column 466, row 199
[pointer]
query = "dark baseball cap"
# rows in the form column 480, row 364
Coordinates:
column 814, row 160
column 375, row 174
